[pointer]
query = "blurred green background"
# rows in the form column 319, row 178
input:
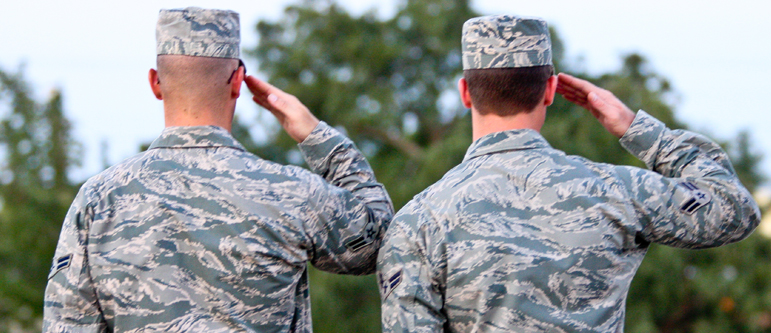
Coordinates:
column 390, row 84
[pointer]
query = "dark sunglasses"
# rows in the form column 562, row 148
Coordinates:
column 240, row 64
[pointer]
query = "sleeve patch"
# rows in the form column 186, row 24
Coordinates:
column 388, row 285
column 60, row 264
column 367, row 237
column 697, row 198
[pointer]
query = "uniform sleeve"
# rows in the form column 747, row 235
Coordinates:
column 692, row 197
column 350, row 209
column 411, row 276
column 71, row 304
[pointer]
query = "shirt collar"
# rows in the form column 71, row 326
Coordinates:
column 195, row 137
column 498, row 142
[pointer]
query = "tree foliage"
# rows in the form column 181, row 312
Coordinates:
column 35, row 194
column 390, row 84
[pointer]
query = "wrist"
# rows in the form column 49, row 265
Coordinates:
column 627, row 118
column 642, row 137
column 305, row 129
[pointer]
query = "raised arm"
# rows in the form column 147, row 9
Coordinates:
column 351, row 210
column 693, row 197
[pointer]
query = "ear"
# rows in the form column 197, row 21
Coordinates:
column 155, row 83
column 551, row 89
column 235, row 84
column 465, row 96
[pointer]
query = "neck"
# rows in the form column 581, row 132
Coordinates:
column 176, row 114
column 491, row 123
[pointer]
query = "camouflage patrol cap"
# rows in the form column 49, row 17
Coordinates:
column 504, row 41
column 198, row 32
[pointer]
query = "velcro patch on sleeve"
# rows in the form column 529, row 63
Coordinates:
column 60, row 264
column 368, row 235
column 387, row 285
column 696, row 199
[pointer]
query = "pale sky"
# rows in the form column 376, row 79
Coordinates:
column 716, row 53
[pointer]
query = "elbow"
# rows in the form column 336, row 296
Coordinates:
column 741, row 219
column 749, row 218
column 366, row 266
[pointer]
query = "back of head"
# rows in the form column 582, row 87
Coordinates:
column 195, row 78
column 506, row 61
column 198, row 49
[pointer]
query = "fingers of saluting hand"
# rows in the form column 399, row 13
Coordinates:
column 575, row 97
column 580, row 92
column 609, row 110
column 572, row 88
column 575, row 84
column 272, row 98
column 262, row 91
column 296, row 119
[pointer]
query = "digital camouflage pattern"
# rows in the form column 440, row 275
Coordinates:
column 522, row 238
column 198, row 235
column 198, row 32
column 505, row 41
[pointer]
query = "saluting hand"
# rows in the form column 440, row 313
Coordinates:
column 609, row 110
column 296, row 119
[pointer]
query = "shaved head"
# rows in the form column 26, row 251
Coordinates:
column 198, row 81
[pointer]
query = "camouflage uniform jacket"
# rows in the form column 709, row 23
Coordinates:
column 198, row 235
column 523, row 238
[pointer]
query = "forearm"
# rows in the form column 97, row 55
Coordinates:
column 352, row 210
column 335, row 157
column 675, row 153
column 701, row 196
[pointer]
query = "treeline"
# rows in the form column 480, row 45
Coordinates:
column 391, row 86
column 37, row 153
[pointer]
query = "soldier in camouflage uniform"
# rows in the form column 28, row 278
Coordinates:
column 198, row 235
column 522, row 238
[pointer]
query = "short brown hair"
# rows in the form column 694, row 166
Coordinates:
column 507, row 91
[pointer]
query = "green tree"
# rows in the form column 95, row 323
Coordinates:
column 35, row 194
column 725, row 289
column 390, row 85
column 746, row 161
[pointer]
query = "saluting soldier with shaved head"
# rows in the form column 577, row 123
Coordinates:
column 198, row 235
column 521, row 237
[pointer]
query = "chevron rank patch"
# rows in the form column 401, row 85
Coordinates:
column 368, row 236
column 388, row 285
column 698, row 198
column 59, row 264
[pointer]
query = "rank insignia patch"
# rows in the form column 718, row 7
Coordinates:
column 698, row 198
column 388, row 285
column 367, row 237
column 60, row 264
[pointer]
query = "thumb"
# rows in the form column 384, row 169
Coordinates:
column 276, row 103
column 595, row 101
